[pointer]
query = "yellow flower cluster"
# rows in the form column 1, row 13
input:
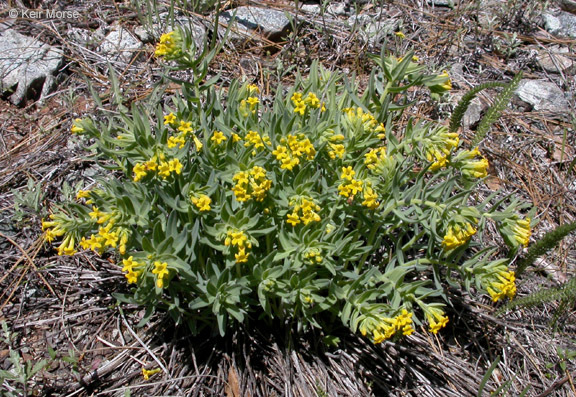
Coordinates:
column 436, row 319
column 447, row 85
column 440, row 147
column 384, row 328
column 522, row 232
column 164, row 168
column 292, row 148
column 76, row 127
column 311, row 100
column 251, row 184
column 256, row 140
column 350, row 186
column 169, row 45
column 67, row 246
column 162, row 273
column 375, row 157
column 53, row 228
column 370, row 197
column 304, row 210
column 237, row 238
column 131, row 268
column 248, row 106
column 313, row 256
column 202, row 202
column 337, row 150
column 184, row 129
column 357, row 116
column 501, row 283
column 457, row 235
column 470, row 166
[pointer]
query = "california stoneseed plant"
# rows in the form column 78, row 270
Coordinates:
column 315, row 207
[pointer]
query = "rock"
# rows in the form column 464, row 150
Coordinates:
column 568, row 5
column 561, row 24
column 337, row 9
column 373, row 30
column 272, row 24
column 120, row 45
column 442, row 3
column 27, row 65
column 552, row 60
column 543, row 96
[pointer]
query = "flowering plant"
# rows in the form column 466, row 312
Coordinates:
column 224, row 208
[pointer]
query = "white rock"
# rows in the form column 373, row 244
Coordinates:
column 27, row 65
column 543, row 95
column 120, row 45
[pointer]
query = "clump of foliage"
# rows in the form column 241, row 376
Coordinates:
column 317, row 207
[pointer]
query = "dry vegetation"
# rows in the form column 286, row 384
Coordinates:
column 61, row 309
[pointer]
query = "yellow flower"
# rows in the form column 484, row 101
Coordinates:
column 83, row 194
column 202, row 202
column 161, row 271
column 457, row 235
column 175, row 166
column 355, row 186
column 198, row 143
column 293, row 219
column 164, row 169
column 241, row 256
column 139, row 172
column 253, row 89
column 501, row 284
column 522, row 231
column 170, row 119
column 176, row 141
column 76, row 128
column 252, row 101
column 400, row 34
column 67, row 246
column 448, row 84
column 312, row 100
column 148, row 373
column 436, row 319
column 218, row 137
column 300, row 107
column 185, row 127
column 236, row 137
column 347, row 173
column 169, row 45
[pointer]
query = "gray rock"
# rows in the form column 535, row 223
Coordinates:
column 373, row 30
column 272, row 24
column 337, row 9
column 442, row 3
column 552, row 60
column 543, row 96
column 120, row 45
column 27, row 65
column 561, row 24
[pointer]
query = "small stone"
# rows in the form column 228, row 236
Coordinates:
column 120, row 45
column 27, row 65
column 543, row 96
column 560, row 24
column 442, row 3
column 552, row 60
column 272, row 24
